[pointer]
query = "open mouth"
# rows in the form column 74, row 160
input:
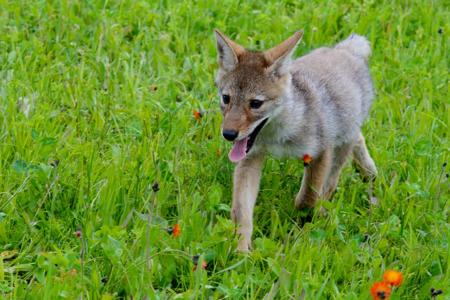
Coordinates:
column 252, row 136
column 242, row 147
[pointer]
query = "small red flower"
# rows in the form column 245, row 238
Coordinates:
column 307, row 159
column 195, row 259
column 204, row 265
column 380, row 291
column 176, row 230
column 393, row 278
column 77, row 234
column 197, row 114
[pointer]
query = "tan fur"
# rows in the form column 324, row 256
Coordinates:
column 340, row 157
column 363, row 160
column 247, row 174
column 314, row 178
column 313, row 105
column 282, row 49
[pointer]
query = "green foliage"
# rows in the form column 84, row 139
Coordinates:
column 96, row 105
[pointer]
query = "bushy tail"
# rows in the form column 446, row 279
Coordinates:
column 357, row 45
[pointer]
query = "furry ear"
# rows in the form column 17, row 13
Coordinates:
column 228, row 51
column 279, row 56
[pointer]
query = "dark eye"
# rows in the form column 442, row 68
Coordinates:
column 225, row 99
column 256, row 103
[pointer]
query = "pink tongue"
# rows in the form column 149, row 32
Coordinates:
column 238, row 153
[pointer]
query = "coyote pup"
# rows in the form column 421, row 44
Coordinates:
column 310, row 107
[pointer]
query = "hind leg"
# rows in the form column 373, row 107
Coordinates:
column 340, row 157
column 363, row 160
column 313, row 180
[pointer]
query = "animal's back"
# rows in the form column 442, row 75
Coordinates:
column 340, row 75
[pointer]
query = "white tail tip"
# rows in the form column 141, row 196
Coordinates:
column 357, row 45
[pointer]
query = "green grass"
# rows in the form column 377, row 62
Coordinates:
column 111, row 87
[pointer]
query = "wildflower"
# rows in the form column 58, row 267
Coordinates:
column 435, row 293
column 197, row 114
column 393, row 278
column 307, row 159
column 175, row 230
column 155, row 186
column 195, row 261
column 380, row 291
column 204, row 265
column 77, row 234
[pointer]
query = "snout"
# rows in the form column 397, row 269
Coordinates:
column 230, row 134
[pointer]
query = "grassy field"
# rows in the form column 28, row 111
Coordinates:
column 96, row 106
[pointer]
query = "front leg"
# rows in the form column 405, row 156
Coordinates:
column 245, row 190
column 314, row 178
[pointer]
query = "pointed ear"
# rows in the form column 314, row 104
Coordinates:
column 279, row 56
column 228, row 51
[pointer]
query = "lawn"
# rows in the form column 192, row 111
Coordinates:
column 101, row 155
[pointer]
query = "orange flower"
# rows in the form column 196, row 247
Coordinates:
column 204, row 265
column 307, row 159
column 197, row 114
column 176, row 230
column 195, row 259
column 394, row 278
column 380, row 291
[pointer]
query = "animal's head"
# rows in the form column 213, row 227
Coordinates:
column 251, row 85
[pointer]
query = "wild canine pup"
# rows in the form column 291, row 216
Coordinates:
column 310, row 107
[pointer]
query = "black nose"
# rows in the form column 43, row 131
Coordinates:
column 230, row 135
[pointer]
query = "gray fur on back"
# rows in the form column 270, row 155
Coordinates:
column 332, row 93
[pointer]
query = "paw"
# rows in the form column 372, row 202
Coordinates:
column 301, row 203
column 243, row 246
column 372, row 171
